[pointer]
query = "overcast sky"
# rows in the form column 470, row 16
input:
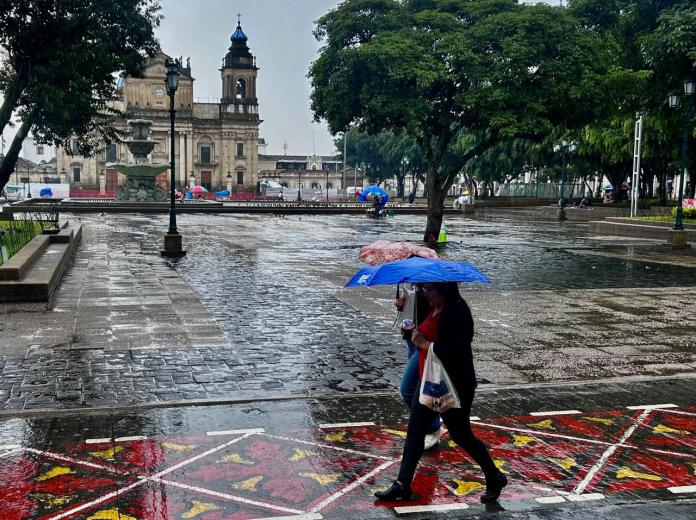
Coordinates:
column 280, row 36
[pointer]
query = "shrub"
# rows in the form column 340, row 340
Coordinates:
column 689, row 206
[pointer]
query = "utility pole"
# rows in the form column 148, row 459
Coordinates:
column 635, row 182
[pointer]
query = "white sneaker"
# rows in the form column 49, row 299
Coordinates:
column 432, row 439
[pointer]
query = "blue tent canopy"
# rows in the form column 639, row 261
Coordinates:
column 369, row 193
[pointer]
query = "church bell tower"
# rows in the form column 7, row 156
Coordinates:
column 239, row 73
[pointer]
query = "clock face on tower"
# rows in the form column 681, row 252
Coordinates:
column 159, row 92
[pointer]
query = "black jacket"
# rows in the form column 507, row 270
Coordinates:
column 456, row 331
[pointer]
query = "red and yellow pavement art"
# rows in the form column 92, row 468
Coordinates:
column 335, row 469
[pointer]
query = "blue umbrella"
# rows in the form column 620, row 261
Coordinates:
column 369, row 193
column 416, row 269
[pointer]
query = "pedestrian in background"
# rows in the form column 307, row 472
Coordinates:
column 414, row 308
column 450, row 327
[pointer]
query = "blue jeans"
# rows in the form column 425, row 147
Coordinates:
column 410, row 383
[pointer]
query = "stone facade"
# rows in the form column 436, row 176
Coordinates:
column 310, row 172
column 212, row 140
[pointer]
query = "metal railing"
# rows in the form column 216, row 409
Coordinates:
column 18, row 232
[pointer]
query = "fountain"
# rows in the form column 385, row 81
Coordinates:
column 140, row 186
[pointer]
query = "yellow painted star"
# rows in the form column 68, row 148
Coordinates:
column 110, row 514
column 179, row 447
column 626, row 472
column 520, row 441
column 323, row 480
column 199, row 508
column 107, row 454
column 661, row 428
column 500, row 464
column 49, row 501
column 566, row 463
column 336, row 437
column 398, row 433
column 601, row 420
column 55, row 472
column 236, row 458
column 465, row 488
column 546, row 424
column 301, row 454
column 249, row 484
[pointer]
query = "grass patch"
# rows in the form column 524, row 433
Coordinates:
column 665, row 218
column 14, row 235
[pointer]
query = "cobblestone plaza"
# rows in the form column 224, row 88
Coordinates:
column 257, row 308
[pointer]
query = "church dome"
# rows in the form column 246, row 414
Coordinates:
column 238, row 35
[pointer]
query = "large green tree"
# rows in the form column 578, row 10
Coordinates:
column 57, row 68
column 492, row 69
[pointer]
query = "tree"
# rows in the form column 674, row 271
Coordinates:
column 436, row 69
column 57, row 71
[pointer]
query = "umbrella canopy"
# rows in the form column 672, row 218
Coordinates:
column 383, row 251
column 199, row 189
column 368, row 194
column 413, row 270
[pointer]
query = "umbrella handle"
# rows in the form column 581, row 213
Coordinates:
column 397, row 290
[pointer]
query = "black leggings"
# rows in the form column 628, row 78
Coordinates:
column 459, row 427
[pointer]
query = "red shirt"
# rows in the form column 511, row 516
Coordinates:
column 429, row 329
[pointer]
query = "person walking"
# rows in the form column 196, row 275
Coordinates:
column 450, row 328
column 414, row 308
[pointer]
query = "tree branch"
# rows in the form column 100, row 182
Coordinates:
column 10, row 160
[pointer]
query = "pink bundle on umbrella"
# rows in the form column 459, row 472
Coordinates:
column 383, row 251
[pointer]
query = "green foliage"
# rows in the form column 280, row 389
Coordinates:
column 458, row 76
column 58, row 72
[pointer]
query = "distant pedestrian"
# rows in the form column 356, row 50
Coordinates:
column 450, row 328
column 412, row 197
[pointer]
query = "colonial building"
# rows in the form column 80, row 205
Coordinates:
column 313, row 172
column 214, row 141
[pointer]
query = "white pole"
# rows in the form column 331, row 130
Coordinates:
column 636, row 165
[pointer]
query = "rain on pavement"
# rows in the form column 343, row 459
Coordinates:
column 257, row 310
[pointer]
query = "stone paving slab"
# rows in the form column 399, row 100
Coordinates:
column 248, row 315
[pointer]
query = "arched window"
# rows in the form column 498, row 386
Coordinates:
column 228, row 87
column 315, row 186
column 284, row 184
column 331, row 185
column 241, row 88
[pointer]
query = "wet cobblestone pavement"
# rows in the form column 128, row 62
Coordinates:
column 257, row 309
column 614, row 451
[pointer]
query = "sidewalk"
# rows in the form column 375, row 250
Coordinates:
column 585, row 451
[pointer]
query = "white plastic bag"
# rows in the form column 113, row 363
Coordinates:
column 437, row 391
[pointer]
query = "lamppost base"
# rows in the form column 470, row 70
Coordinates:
column 173, row 246
column 561, row 214
column 678, row 239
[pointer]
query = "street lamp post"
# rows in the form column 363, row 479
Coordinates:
column 172, row 240
column 327, row 185
column 689, row 90
column 299, row 186
column 563, row 148
column 404, row 165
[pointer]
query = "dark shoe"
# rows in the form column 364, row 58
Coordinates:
column 396, row 492
column 493, row 489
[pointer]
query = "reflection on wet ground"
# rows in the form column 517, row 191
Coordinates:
column 566, row 450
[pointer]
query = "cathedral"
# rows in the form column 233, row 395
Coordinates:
column 216, row 143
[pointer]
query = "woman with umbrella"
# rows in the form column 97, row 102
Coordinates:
column 450, row 329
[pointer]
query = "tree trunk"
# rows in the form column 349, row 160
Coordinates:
column 400, row 183
column 11, row 95
column 10, row 160
column 436, row 203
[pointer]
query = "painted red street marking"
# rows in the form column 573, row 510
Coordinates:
column 580, row 488
column 328, row 446
column 678, row 412
column 98, row 501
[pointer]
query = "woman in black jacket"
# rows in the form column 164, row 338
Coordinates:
column 450, row 327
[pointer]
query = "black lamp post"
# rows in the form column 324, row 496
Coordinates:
column 172, row 240
column 299, row 193
column 404, row 165
column 327, row 185
column 563, row 148
column 689, row 90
